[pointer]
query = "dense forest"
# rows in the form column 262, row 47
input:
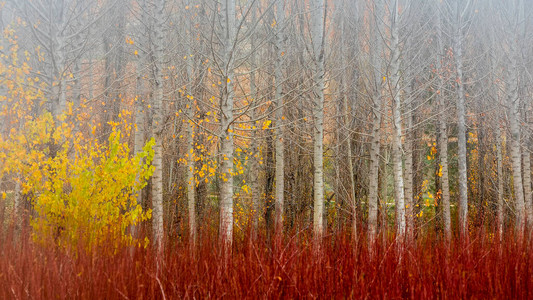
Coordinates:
column 266, row 148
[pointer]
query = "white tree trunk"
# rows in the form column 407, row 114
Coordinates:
column 397, row 152
column 375, row 144
column 373, row 184
column 499, row 166
column 191, row 180
column 461, row 123
column 227, row 9
column 385, row 194
column 346, row 122
column 254, row 157
column 157, row 178
column 409, row 203
column 317, row 35
column 514, row 126
column 443, row 158
column 278, row 131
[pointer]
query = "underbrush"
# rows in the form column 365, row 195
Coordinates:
column 342, row 267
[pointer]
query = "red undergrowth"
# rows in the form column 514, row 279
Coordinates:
column 341, row 268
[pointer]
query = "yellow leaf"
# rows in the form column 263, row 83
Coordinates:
column 266, row 124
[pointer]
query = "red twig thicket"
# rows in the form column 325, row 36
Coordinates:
column 429, row 267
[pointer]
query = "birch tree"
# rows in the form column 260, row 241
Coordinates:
column 317, row 23
column 513, row 101
column 227, row 56
column 158, row 126
column 278, row 132
column 399, row 193
column 457, row 17
column 376, row 84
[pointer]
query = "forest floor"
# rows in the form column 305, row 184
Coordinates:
column 483, row 267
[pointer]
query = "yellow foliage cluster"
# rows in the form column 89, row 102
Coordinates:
column 82, row 192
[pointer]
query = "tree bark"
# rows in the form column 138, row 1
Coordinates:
column 227, row 10
column 409, row 140
column 461, row 122
column 157, row 128
column 397, row 152
column 191, row 180
column 278, row 131
column 317, row 34
column 499, row 166
column 373, row 184
column 254, row 157
column 514, row 126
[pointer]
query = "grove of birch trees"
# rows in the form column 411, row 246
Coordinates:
column 379, row 118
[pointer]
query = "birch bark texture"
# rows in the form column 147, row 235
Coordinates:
column 278, row 131
column 157, row 126
column 397, row 152
column 228, row 36
column 457, row 40
column 378, row 84
column 317, row 11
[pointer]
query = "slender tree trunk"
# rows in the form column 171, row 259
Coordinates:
column 226, row 187
column 349, row 161
column 139, row 136
column 443, row 158
column 526, row 158
column 461, row 123
column 499, row 166
column 443, row 142
column 384, row 208
column 514, row 126
column 409, row 205
column 18, row 211
column 76, row 96
column 191, row 180
column 254, row 157
column 346, row 122
column 373, row 184
column 317, row 35
column 399, row 193
column 157, row 177
column 278, row 131
column 60, row 71
column 269, row 183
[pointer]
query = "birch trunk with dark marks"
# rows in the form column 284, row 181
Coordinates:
column 317, row 34
column 461, row 120
column 397, row 151
column 227, row 20
column 157, row 127
column 278, row 131
column 514, row 127
column 191, row 180
column 373, row 184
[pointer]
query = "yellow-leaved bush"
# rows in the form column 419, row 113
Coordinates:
column 82, row 192
column 88, row 194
